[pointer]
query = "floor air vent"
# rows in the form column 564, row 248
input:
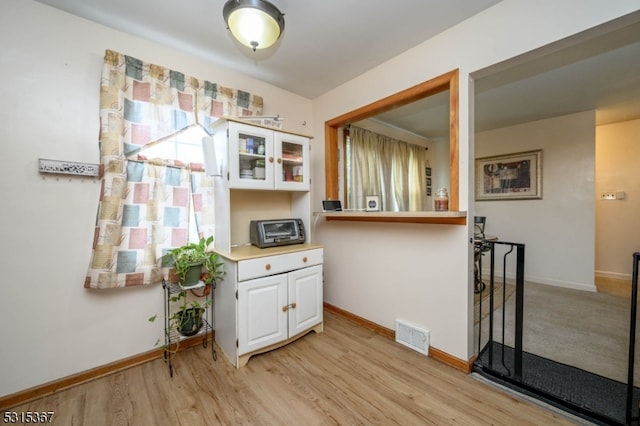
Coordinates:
column 412, row 336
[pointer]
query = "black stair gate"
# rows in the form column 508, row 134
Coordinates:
column 579, row 392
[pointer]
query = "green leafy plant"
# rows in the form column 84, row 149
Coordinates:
column 187, row 316
column 195, row 255
column 187, row 319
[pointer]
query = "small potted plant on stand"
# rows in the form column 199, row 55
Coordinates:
column 192, row 262
column 187, row 320
column 195, row 267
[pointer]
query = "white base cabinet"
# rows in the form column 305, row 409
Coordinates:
column 276, row 308
column 269, row 301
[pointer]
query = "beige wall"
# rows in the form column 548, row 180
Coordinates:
column 423, row 274
column 559, row 229
column 617, row 221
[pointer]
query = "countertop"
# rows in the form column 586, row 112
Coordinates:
column 251, row 252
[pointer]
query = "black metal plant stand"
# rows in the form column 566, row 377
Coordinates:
column 172, row 338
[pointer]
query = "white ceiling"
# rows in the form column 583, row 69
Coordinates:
column 327, row 43
column 596, row 70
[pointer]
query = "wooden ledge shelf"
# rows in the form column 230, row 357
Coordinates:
column 443, row 218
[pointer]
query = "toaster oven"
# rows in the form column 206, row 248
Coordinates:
column 276, row 232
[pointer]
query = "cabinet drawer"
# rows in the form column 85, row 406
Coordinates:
column 270, row 265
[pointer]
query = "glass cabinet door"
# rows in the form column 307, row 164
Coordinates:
column 292, row 170
column 250, row 157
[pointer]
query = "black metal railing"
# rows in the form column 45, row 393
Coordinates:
column 632, row 340
column 483, row 247
column 514, row 367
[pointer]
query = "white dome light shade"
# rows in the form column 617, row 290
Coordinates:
column 255, row 23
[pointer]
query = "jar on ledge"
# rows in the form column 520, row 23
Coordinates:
column 441, row 200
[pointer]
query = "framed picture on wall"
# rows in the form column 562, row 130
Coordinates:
column 515, row 176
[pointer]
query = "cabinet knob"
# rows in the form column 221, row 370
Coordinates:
column 285, row 308
column 279, row 160
column 267, row 266
column 271, row 159
column 304, row 259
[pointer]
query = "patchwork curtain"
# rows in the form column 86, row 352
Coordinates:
column 144, row 206
column 392, row 169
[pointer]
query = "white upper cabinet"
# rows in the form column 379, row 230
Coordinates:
column 255, row 157
column 291, row 162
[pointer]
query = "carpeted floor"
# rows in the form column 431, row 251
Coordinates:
column 481, row 301
column 583, row 393
column 578, row 331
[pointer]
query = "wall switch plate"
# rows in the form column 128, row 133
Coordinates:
column 621, row 195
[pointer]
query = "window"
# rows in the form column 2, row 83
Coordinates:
column 186, row 147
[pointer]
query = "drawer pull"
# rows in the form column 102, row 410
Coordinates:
column 267, row 266
column 285, row 308
column 304, row 259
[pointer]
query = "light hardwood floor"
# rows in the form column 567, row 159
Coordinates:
column 346, row 375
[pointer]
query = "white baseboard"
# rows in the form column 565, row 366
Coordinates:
column 550, row 281
column 564, row 284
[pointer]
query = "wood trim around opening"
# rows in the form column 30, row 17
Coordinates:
column 448, row 81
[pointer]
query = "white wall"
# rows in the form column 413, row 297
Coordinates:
column 50, row 70
column 617, row 228
column 559, row 230
column 422, row 273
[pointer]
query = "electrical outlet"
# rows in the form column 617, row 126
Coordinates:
column 608, row 196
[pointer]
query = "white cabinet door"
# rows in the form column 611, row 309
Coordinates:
column 261, row 318
column 251, row 157
column 305, row 290
column 292, row 171
column 266, row 159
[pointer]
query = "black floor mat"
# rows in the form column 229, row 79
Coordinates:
column 590, row 396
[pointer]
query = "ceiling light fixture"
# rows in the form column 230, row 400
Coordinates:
column 257, row 24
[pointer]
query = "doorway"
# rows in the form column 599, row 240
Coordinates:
column 574, row 100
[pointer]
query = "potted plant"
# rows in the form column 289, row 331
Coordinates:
column 193, row 263
column 187, row 320
column 187, row 317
